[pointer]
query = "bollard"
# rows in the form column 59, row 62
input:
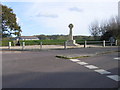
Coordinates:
column 40, row 45
column 9, row 46
column 85, row 44
column 65, row 45
column 116, row 42
column 23, row 45
column 111, row 44
column 103, row 43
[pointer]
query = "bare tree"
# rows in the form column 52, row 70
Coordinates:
column 94, row 29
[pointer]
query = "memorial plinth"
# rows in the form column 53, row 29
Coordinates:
column 70, row 41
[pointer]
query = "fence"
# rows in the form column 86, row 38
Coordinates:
column 98, row 43
column 60, row 45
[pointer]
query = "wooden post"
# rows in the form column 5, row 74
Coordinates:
column 103, row 43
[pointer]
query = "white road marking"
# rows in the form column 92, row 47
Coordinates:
column 91, row 66
column 74, row 60
column 82, row 63
column 102, row 71
column 117, row 58
column 114, row 77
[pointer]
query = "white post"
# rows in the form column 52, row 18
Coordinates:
column 40, row 45
column 111, row 43
column 116, row 42
column 23, row 45
column 85, row 44
column 9, row 46
column 103, row 43
column 65, row 45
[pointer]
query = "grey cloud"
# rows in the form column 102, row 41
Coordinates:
column 47, row 15
column 76, row 9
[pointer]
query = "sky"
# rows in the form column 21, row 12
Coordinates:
column 53, row 17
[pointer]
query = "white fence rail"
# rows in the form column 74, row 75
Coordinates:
column 98, row 43
column 83, row 44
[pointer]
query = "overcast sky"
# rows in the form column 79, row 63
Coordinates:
column 53, row 17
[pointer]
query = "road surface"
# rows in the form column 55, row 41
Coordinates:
column 28, row 69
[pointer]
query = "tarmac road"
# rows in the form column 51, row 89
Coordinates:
column 43, row 70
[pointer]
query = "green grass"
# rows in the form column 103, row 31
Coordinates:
column 35, row 42
column 5, row 42
column 68, row 57
column 81, row 42
column 45, row 42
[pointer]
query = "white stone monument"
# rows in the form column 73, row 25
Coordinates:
column 70, row 41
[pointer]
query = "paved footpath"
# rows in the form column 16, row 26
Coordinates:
column 43, row 70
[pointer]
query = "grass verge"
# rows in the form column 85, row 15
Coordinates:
column 66, row 57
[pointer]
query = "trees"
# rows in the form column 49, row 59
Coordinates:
column 107, row 29
column 111, row 29
column 94, row 29
column 9, row 24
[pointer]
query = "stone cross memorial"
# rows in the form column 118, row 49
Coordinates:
column 70, row 35
column 70, row 41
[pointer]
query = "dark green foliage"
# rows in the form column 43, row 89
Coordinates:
column 105, row 30
column 107, row 35
column 9, row 24
column 111, row 29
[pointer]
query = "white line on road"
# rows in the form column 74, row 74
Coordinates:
column 102, row 71
column 91, row 66
column 74, row 60
column 114, row 77
column 117, row 58
column 82, row 63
